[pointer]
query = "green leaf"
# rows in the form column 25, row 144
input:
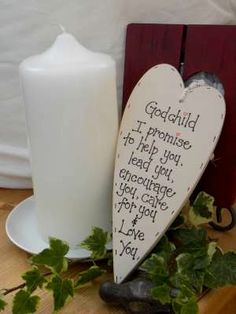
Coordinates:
column 193, row 282
column 203, row 205
column 184, row 262
column 185, row 294
column 198, row 260
column 178, row 222
column 176, row 307
column 89, row 274
column 202, row 209
column 189, row 308
column 222, row 270
column 164, row 248
column 156, row 269
column 162, row 293
column 178, row 280
column 196, row 256
column 96, row 243
column 212, row 246
column 33, row 279
column 62, row 289
column 191, row 271
column 2, row 304
column 24, row 303
column 53, row 257
column 185, row 301
column 191, row 239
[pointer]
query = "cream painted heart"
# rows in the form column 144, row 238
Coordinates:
column 167, row 136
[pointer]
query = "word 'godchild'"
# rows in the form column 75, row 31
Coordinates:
column 180, row 118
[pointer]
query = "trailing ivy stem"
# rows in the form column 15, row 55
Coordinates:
column 20, row 286
column 10, row 290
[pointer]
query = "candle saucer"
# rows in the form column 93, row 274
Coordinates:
column 21, row 229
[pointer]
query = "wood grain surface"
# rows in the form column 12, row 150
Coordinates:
column 14, row 262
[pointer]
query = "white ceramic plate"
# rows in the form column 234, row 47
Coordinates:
column 21, row 228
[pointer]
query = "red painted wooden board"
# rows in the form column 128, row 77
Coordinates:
column 146, row 46
column 201, row 48
column 213, row 49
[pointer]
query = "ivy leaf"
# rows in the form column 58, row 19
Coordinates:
column 53, row 257
column 185, row 294
column 89, row 274
column 178, row 222
column 211, row 250
column 96, row 243
column 202, row 209
column 189, row 308
column 191, row 270
column 162, row 293
column 24, row 303
column 2, row 304
column 191, row 239
column 198, row 260
column 185, row 301
column 184, row 262
column 203, row 205
column 178, row 280
column 222, row 270
column 164, row 248
column 156, row 269
column 176, row 307
column 62, row 289
column 33, row 279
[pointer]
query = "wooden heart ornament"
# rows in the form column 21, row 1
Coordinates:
column 166, row 138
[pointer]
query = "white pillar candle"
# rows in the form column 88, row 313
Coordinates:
column 71, row 111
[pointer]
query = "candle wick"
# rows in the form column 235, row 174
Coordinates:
column 62, row 28
column 47, row 14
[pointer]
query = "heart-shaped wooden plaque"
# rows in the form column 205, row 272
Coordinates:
column 166, row 138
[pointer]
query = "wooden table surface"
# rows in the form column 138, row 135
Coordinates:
column 14, row 262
